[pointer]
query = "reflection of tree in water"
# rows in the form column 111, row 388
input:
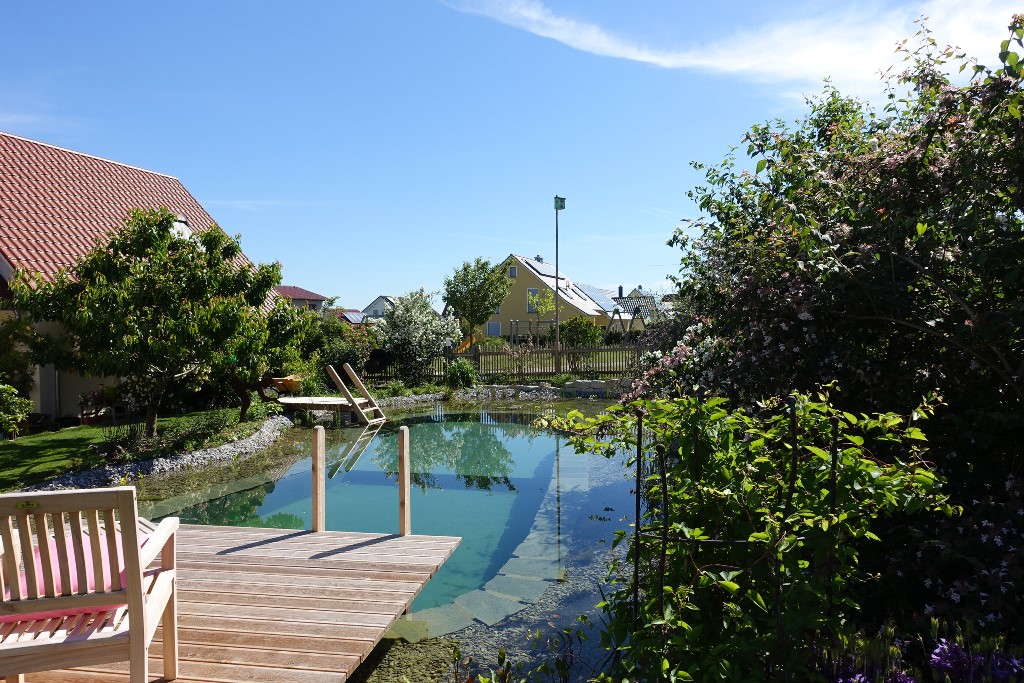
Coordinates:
column 473, row 451
column 240, row 509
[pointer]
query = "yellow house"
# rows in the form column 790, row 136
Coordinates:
column 516, row 318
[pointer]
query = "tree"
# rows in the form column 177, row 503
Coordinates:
column 415, row 333
column 475, row 291
column 266, row 340
column 155, row 309
column 542, row 303
column 882, row 251
column 16, row 368
column 579, row 332
column 13, row 409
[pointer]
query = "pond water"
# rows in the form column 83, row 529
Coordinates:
column 514, row 495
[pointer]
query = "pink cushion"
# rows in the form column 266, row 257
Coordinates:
column 91, row 579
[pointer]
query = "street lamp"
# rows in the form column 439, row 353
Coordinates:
column 559, row 206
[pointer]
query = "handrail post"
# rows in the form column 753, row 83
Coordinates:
column 319, row 473
column 404, row 483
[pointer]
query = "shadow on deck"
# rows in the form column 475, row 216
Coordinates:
column 271, row 605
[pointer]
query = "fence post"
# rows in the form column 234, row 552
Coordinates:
column 319, row 490
column 404, row 483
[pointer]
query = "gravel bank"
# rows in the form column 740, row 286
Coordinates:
column 479, row 394
column 111, row 475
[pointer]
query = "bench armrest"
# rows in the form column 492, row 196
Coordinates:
column 157, row 540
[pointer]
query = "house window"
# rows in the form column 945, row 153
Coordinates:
column 497, row 310
column 532, row 292
column 494, row 329
column 513, row 271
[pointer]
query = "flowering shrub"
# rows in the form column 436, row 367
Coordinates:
column 416, row 334
column 882, row 251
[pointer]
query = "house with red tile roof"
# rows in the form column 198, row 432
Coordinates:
column 55, row 204
column 301, row 298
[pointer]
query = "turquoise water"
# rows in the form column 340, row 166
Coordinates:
column 483, row 477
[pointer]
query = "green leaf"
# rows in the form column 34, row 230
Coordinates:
column 756, row 598
column 915, row 433
column 820, row 452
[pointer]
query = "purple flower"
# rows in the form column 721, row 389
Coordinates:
column 1003, row 666
column 855, row 678
column 957, row 662
column 900, row 678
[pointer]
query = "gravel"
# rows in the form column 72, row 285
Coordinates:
column 111, row 475
column 478, row 394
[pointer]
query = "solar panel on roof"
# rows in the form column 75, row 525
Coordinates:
column 599, row 297
column 547, row 269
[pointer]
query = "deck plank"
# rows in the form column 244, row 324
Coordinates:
column 336, row 593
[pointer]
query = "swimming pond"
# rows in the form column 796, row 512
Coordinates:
column 516, row 496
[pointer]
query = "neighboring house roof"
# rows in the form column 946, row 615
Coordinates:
column 298, row 293
column 385, row 300
column 55, row 203
column 569, row 292
column 350, row 315
column 645, row 307
column 601, row 297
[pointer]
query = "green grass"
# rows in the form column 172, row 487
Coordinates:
column 32, row 459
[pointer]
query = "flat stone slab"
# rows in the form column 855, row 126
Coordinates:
column 487, row 607
column 537, row 547
column 431, row 623
column 532, row 567
column 528, row 590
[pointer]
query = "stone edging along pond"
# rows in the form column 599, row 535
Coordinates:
column 113, row 474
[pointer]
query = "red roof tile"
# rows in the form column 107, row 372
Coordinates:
column 298, row 293
column 55, row 203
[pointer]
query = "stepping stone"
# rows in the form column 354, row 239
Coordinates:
column 532, row 568
column 528, row 590
column 490, row 608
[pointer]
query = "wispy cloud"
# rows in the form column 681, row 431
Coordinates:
column 9, row 119
column 659, row 212
column 29, row 124
column 849, row 45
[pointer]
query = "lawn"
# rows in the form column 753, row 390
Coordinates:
column 32, row 459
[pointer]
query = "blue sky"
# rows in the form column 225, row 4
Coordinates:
column 372, row 147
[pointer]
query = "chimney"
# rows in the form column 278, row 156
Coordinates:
column 539, row 258
column 620, row 291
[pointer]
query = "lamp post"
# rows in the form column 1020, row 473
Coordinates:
column 559, row 206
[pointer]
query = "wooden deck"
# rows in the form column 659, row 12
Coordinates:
column 339, row 593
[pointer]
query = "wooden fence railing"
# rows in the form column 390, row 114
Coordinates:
column 595, row 362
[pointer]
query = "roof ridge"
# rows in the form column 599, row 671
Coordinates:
column 91, row 156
